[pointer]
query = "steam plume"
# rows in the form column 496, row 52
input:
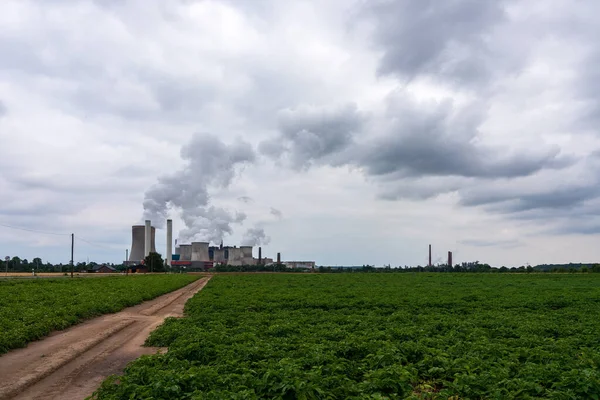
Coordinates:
column 208, row 163
column 255, row 237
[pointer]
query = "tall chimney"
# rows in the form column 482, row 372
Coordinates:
column 260, row 256
column 449, row 258
column 278, row 258
column 169, row 242
column 147, row 238
column 430, row 255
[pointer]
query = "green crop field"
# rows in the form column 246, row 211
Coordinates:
column 377, row 336
column 31, row 309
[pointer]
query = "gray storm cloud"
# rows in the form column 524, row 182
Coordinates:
column 311, row 135
column 209, row 163
column 438, row 139
column 447, row 40
column 416, row 140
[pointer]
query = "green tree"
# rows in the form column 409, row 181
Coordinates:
column 154, row 262
column 15, row 264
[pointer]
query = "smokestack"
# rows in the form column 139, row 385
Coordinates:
column 169, row 242
column 278, row 258
column 430, row 255
column 148, row 238
column 449, row 258
column 259, row 255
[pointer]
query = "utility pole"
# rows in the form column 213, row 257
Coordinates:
column 126, row 260
column 72, row 247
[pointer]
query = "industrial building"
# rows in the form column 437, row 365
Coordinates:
column 299, row 264
column 197, row 255
column 202, row 254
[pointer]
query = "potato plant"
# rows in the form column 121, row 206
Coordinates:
column 377, row 336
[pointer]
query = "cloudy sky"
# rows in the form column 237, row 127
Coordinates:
column 346, row 132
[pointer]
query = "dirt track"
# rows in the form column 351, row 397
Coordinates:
column 71, row 364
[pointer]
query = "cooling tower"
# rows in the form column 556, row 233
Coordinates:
column 200, row 251
column 218, row 255
column 247, row 255
column 138, row 242
column 185, row 250
column 246, row 251
column 234, row 256
column 169, row 242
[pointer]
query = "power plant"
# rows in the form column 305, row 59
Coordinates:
column 196, row 254
column 202, row 255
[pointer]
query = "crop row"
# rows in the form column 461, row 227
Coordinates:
column 421, row 336
column 31, row 309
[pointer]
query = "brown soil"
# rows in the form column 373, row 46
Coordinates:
column 71, row 364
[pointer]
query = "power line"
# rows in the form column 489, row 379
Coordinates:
column 56, row 234
column 91, row 243
column 36, row 231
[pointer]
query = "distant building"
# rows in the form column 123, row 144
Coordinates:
column 299, row 264
column 104, row 269
column 193, row 265
column 137, row 269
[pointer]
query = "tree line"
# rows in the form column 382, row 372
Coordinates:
column 471, row 267
column 155, row 263
column 17, row 264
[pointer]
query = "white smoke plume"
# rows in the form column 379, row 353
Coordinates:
column 209, row 163
column 255, row 237
column 209, row 224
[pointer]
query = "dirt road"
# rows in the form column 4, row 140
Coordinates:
column 71, row 364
